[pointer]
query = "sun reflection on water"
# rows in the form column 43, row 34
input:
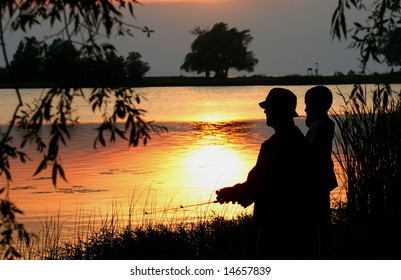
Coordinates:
column 214, row 160
column 184, row 167
column 212, row 165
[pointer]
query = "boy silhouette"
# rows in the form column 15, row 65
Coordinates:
column 318, row 101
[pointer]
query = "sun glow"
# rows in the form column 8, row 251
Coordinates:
column 214, row 166
column 215, row 117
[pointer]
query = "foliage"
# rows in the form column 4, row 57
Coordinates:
column 27, row 60
column 136, row 68
column 383, row 19
column 60, row 61
column 368, row 137
column 218, row 50
column 390, row 47
column 81, row 23
column 368, row 151
column 217, row 238
column 9, row 225
column 40, row 63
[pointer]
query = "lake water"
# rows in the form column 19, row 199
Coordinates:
column 213, row 141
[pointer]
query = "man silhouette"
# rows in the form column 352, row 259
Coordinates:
column 320, row 135
column 279, row 185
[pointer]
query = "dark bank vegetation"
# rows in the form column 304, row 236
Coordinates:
column 256, row 80
column 263, row 80
column 367, row 148
column 60, row 63
column 218, row 238
column 207, row 239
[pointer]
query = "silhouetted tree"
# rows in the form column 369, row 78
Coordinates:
column 61, row 61
column 110, row 70
column 27, row 61
column 136, row 68
column 58, row 64
column 218, row 50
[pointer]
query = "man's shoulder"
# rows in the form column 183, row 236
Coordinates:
column 271, row 142
column 268, row 142
column 279, row 139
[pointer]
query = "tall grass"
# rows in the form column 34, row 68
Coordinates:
column 215, row 239
column 367, row 147
column 170, row 233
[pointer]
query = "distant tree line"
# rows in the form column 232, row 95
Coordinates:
column 61, row 63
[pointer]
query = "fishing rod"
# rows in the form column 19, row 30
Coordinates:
column 181, row 207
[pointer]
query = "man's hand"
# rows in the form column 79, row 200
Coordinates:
column 226, row 195
column 235, row 194
column 245, row 202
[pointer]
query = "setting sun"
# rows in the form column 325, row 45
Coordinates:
column 214, row 165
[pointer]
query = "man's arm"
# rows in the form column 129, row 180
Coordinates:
column 245, row 193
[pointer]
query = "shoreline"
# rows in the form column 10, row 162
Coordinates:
column 292, row 80
column 178, row 81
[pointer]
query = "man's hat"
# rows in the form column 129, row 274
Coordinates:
column 280, row 100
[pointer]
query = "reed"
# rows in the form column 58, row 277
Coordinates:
column 367, row 148
column 193, row 231
column 215, row 239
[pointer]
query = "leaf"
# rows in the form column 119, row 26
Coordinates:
column 22, row 157
column 15, row 209
column 53, row 147
column 138, row 99
column 15, row 253
column 131, row 9
column 101, row 139
column 6, row 232
column 54, row 174
column 8, row 174
column 120, row 133
column 43, row 165
column 343, row 25
column 61, row 172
